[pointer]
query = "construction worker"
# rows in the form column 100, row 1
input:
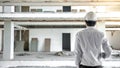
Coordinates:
column 88, row 45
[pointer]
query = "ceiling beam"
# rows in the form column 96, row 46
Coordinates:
column 62, row 4
column 57, row 16
column 107, row 20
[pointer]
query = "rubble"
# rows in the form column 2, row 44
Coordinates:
column 64, row 53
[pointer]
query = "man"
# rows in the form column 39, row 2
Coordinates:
column 88, row 45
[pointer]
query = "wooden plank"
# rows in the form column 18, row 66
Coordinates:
column 47, row 44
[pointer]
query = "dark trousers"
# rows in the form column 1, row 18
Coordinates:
column 83, row 66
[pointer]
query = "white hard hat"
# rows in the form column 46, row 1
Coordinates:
column 91, row 16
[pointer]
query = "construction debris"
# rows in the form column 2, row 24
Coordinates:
column 64, row 53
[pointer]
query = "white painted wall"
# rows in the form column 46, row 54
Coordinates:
column 8, row 9
column 56, row 37
column 114, row 39
column 54, row 8
column 86, row 8
column 47, row 8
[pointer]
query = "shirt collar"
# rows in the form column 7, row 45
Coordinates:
column 90, row 26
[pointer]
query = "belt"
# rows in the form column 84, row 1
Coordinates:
column 84, row 66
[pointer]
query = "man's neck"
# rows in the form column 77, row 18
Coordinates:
column 90, row 26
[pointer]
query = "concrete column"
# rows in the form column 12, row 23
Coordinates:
column 17, row 8
column 0, row 40
column 72, row 41
column 8, row 50
column 1, row 9
column 101, row 26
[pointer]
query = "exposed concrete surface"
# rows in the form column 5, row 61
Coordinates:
column 36, row 60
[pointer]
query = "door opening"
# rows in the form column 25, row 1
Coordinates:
column 66, row 46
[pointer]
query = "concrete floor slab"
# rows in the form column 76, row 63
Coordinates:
column 48, row 59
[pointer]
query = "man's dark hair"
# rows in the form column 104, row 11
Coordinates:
column 90, row 23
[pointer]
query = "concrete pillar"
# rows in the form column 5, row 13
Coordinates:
column 0, row 40
column 73, row 41
column 8, row 48
column 1, row 9
column 17, row 8
column 101, row 26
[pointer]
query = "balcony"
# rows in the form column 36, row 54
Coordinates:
column 57, row 16
column 60, row 2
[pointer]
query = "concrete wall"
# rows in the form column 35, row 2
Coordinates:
column 54, row 8
column 56, row 37
column 47, row 8
column 114, row 39
column 86, row 8
column 8, row 9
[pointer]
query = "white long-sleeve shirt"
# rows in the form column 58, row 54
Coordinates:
column 88, row 46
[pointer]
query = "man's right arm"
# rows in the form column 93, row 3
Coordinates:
column 106, row 47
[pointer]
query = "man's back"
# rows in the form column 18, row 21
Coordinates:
column 88, row 44
column 90, row 41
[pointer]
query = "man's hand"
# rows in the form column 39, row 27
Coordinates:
column 102, row 55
